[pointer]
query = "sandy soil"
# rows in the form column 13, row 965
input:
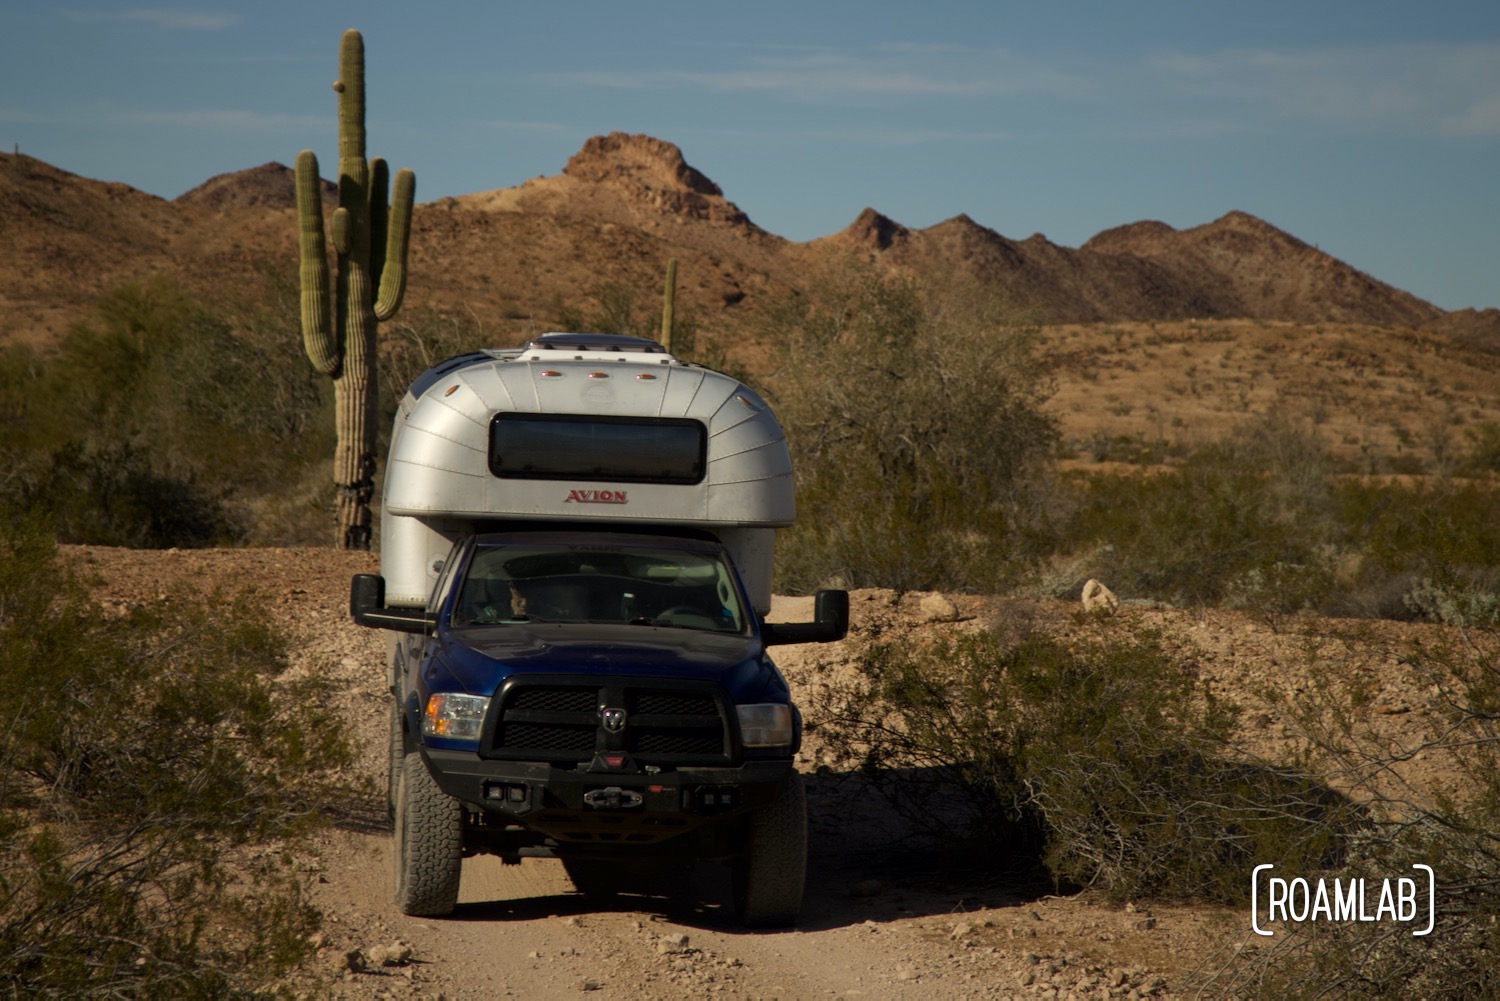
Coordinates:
column 880, row 921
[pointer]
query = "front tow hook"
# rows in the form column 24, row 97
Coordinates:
column 613, row 798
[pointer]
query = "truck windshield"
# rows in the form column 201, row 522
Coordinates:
column 640, row 585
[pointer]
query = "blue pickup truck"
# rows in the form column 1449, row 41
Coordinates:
column 575, row 573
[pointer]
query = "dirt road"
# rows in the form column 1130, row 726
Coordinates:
column 880, row 921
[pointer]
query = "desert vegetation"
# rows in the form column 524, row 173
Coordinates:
column 1091, row 750
column 921, row 418
column 163, row 421
column 156, row 768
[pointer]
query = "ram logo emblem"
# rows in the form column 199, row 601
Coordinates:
column 614, row 719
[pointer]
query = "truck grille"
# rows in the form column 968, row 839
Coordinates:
column 560, row 720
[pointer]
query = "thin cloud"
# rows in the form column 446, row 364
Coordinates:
column 167, row 19
column 1414, row 89
column 1479, row 120
column 865, row 137
column 812, row 75
column 1418, row 88
column 523, row 126
column 903, row 137
column 227, row 120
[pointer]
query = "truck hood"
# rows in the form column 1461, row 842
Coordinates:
column 479, row 658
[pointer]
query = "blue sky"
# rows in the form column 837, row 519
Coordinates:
column 1370, row 129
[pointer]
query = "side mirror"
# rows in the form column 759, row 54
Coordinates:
column 831, row 610
column 367, row 607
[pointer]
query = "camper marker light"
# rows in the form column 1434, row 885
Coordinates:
column 645, row 377
column 598, row 375
column 550, row 374
column 453, row 716
column 765, row 725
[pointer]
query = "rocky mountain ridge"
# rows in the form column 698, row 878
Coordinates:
column 621, row 207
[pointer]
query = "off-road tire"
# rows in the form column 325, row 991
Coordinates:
column 397, row 755
column 771, row 873
column 427, row 843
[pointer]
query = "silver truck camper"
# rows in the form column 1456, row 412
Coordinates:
column 576, row 544
column 580, row 428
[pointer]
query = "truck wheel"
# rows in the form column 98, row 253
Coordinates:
column 769, row 877
column 428, row 844
column 393, row 770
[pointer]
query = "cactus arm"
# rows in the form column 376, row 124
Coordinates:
column 318, row 339
column 354, row 188
column 339, row 227
column 398, row 241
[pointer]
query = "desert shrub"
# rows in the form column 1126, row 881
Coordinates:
column 614, row 311
column 1454, row 830
column 914, row 414
column 1418, row 540
column 116, row 493
column 420, row 340
column 1096, row 751
column 1238, row 522
column 1483, row 455
column 1261, row 522
column 157, row 422
column 144, row 750
column 618, row 309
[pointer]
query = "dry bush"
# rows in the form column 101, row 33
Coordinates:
column 1457, row 832
column 1237, row 522
column 159, row 422
column 1261, row 522
column 914, row 414
column 1097, row 754
column 143, row 752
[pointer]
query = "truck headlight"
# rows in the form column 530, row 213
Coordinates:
column 766, row 725
column 454, row 717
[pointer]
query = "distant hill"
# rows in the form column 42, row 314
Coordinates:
column 269, row 186
column 515, row 257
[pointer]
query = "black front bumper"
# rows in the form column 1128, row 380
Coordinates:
column 595, row 803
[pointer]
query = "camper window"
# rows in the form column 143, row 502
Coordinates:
column 618, row 449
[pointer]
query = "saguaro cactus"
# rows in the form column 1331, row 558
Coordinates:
column 668, row 305
column 370, row 236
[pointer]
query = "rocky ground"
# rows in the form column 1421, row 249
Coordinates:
column 880, row 921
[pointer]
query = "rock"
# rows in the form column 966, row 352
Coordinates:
column 1099, row 599
column 395, row 954
column 671, row 945
column 866, row 888
column 938, row 608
